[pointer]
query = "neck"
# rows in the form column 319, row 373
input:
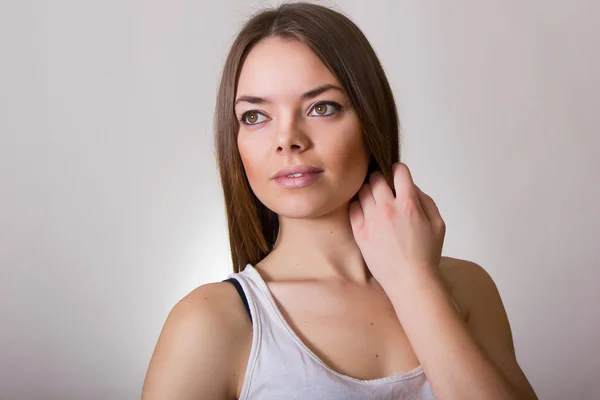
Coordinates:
column 321, row 248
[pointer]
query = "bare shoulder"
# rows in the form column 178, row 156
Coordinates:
column 474, row 289
column 201, row 347
column 463, row 279
column 456, row 268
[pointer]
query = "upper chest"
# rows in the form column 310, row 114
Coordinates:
column 352, row 330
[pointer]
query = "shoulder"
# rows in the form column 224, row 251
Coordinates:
column 480, row 302
column 459, row 270
column 201, row 346
column 465, row 281
column 218, row 302
column 486, row 317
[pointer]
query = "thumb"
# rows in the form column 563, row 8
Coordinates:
column 357, row 217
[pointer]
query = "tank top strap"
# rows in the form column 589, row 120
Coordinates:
column 252, row 291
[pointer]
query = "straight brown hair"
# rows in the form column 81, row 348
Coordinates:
column 347, row 53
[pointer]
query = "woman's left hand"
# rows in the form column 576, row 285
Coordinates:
column 400, row 238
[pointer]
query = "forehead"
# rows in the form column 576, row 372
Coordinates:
column 279, row 67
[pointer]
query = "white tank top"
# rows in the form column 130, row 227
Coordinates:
column 282, row 367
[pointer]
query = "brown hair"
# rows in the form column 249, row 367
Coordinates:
column 347, row 53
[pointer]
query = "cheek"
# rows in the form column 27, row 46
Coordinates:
column 250, row 160
column 246, row 162
column 348, row 153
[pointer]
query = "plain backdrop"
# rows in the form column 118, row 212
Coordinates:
column 111, row 208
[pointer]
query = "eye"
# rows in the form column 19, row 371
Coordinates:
column 321, row 108
column 251, row 118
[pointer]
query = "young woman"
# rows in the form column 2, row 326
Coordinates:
column 339, row 289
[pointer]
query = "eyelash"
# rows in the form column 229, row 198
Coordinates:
column 338, row 107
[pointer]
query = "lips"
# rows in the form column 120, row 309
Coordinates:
column 300, row 181
column 299, row 169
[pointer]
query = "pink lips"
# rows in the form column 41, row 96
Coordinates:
column 305, row 179
column 299, row 169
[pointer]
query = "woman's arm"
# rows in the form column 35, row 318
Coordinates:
column 489, row 325
column 198, row 349
column 472, row 360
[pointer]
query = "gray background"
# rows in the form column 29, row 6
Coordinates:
column 111, row 209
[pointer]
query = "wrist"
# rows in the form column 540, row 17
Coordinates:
column 409, row 286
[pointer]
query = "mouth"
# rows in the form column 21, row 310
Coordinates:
column 297, row 171
column 298, row 180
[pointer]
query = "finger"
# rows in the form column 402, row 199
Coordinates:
column 357, row 217
column 380, row 188
column 367, row 202
column 405, row 186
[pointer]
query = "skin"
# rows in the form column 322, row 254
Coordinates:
column 401, row 238
column 329, row 270
column 315, row 230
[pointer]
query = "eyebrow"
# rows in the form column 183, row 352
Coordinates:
column 306, row 96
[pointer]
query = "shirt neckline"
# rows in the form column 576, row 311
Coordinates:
column 393, row 378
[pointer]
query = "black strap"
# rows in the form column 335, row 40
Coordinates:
column 241, row 293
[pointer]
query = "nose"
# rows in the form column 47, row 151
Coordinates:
column 291, row 137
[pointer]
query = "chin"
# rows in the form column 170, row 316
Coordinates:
column 303, row 207
column 297, row 209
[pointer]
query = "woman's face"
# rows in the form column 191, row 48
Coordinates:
column 280, row 128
